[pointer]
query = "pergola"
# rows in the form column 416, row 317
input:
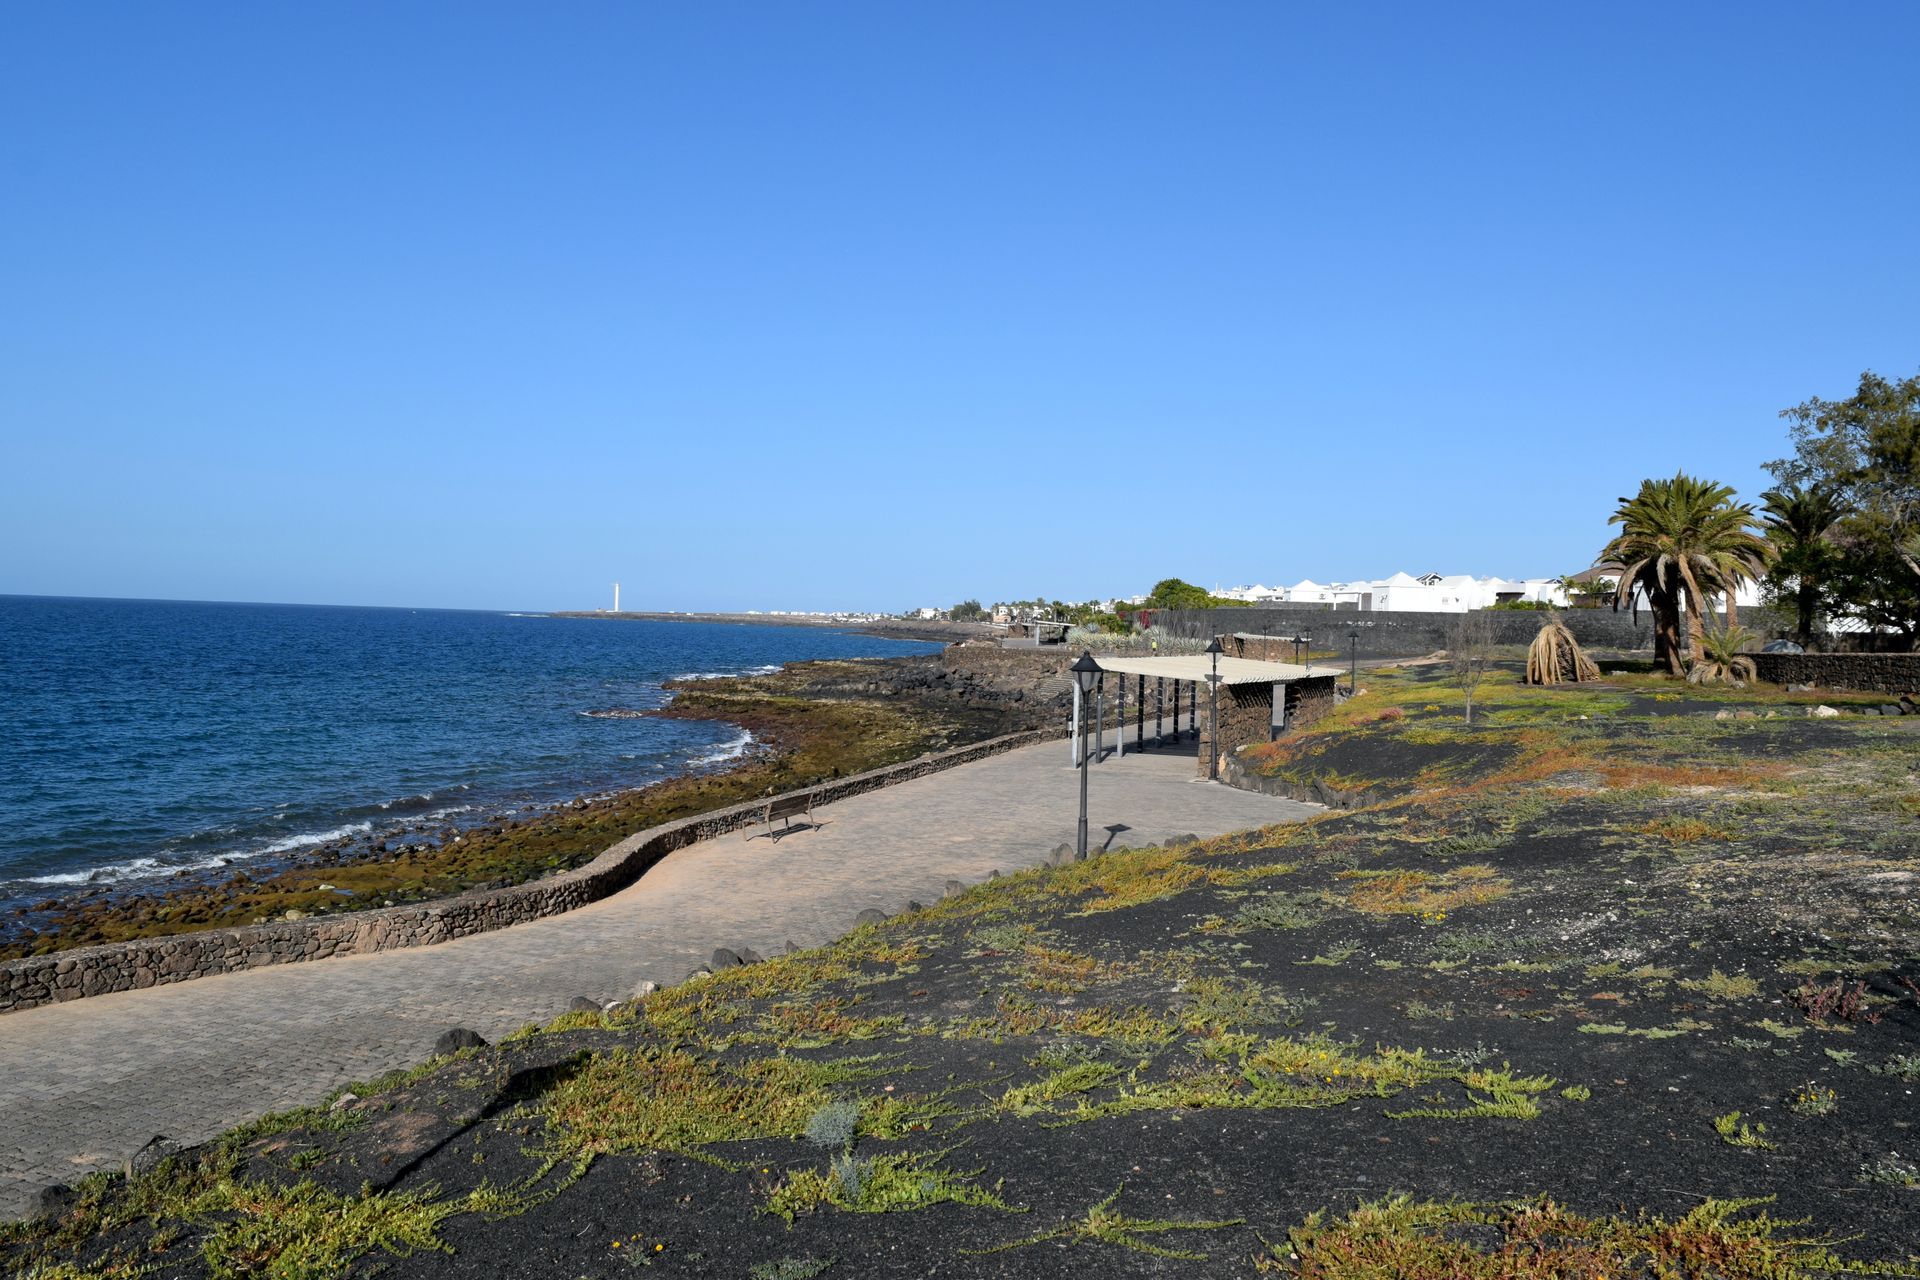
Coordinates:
column 1192, row 670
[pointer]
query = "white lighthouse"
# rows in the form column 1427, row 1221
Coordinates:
column 616, row 597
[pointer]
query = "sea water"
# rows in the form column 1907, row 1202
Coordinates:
column 141, row 738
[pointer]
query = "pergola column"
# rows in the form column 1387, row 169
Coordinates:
column 1100, row 718
column 1140, row 715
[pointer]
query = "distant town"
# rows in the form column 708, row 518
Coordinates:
column 1398, row 593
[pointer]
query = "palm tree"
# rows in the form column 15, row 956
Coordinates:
column 1797, row 519
column 1679, row 540
column 1737, row 553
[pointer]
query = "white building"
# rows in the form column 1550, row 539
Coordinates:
column 1404, row 593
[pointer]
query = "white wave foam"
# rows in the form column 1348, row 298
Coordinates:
column 767, row 670
column 726, row 751
column 114, row 871
column 302, row 839
column 425, row 797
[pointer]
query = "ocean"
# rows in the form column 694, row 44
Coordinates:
column 142, row 738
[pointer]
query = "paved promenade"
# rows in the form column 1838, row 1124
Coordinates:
column 84, row 1084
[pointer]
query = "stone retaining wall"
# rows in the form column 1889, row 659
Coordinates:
column 1392, row 634
column 128, row 966
column 1879, row 672
column 992, row 660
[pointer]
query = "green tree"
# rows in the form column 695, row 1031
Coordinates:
column 1680, row 541
column 1176, row 593
column 1799, row 522
column 967, row 611
column 1866, row 450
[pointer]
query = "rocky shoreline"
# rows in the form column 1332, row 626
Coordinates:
column 810, row 721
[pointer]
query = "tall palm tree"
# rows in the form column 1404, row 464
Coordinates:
column 1679, row 540
column 1736, row 552
column 1797, row 519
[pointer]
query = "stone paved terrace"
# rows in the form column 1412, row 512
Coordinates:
column 83, row 1084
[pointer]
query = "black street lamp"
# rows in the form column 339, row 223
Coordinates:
column 1086, row 672
column 1353, row 662
column 1213, row 707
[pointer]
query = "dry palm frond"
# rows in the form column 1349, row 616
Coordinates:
column 1554, row 657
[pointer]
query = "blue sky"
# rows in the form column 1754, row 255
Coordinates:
column 838, row 305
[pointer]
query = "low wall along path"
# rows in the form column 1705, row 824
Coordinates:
column 131, row 966
column 85, row 1082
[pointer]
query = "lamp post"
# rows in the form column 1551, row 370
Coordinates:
column 1213, row 708
column 1085, row 673
column 1353, row 661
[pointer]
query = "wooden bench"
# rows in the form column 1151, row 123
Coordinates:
column 785, row 809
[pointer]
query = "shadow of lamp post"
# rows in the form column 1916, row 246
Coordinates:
column 1085, row 673
column 1213, row 708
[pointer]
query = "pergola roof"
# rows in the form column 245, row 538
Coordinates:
column 1198, row 666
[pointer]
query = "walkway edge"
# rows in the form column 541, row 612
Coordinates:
column 129, row 966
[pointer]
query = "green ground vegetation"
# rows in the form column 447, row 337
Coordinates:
column 1579, row 952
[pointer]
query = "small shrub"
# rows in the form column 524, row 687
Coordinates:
column 1902, row 1066
column 1812, row 1099
column 1735, row 1134
column 1833, row 1001
column 833, row 1126
column 1279, row 911
column 1891, row 1170
column 1103, row 1225
column 789, row 1268
column 1721, row 986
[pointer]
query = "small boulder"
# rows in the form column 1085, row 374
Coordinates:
column 701, row 972
column 580, row 1004
column 871, row 915
column 913, row 906
column 149, row 1157
column 793, row 948
column 1823, row 712
column 953, row 887
column 645, row 989
column 749, row 956
column 344, row 1101
column 52, row 1201
column 1890, row 709
column 456, row 1039
column 724, row 959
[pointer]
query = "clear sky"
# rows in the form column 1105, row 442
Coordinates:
column 802, row 305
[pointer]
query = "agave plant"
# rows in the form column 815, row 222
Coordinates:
column 1719, row 659
column 1554, row 657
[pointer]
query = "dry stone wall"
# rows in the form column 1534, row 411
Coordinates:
column 1878, row 672
column 130, row 966
column 1386, row 634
